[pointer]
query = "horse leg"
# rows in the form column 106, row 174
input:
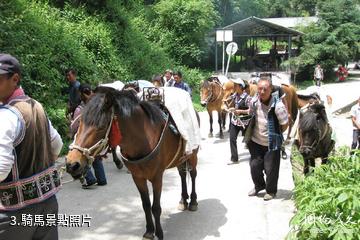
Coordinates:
column 223, row 119
column 220, row 124
column 156, row 207
column 184, row 194
column 211, row 123
column 144, row 194
column 116, row 160
column 193, row 206
column 306, row 166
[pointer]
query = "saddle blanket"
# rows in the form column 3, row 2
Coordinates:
column 117, row 85
column 180, row 106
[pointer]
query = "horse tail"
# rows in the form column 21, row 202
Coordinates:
column 294, row 103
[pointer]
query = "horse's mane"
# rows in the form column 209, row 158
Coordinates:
column 97, row 111
column 309, row 119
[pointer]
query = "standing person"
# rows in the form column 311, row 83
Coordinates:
column 240, row 118
column 355, row 117
column 73, row 90
column 168, row 76
column 341, row 73
column 179, row 83
column 264, row 138
column 29, row 146
column 318, row 75
column 85, row 94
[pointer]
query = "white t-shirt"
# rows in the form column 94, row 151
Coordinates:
column 318, row 73
column 355, row 112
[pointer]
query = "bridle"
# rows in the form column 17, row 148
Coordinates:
column 98, row 147
column 318, row 138
column 210, row 99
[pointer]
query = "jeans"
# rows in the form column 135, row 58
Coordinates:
column 356, row 139
column 99, row 173
column 234, row 132
column 262, row 160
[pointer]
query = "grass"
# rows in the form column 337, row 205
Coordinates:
column 327, row 200
column 196, row 103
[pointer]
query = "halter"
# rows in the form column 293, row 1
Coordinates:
column 211, row 94
column 100, row 146
column 321, row 137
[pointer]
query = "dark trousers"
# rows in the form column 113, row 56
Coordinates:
column 264, row 160
column 356, row 139
column 99, row 172
column 317, row 82
column 234, row 132
column 9, row 232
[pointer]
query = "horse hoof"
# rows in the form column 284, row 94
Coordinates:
column 182, row 206
column 148, row 236
column 221, row 136
column 210, row 135
column 119, row 165
column 193, row 207
column 284, row 155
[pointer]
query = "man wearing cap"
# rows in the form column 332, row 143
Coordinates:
column 240, row 118
column 29, row 146
column 264, row 138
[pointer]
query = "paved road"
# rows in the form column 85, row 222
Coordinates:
column 225, row 210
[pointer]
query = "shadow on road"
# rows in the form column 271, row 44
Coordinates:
column 210, row 216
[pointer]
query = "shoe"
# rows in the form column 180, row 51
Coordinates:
column 269, row 196
column 233, row 162
column 102, row 183
column 88, row 185
column 253, row 192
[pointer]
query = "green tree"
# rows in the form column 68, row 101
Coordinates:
column 181, row 26
column 335, row 38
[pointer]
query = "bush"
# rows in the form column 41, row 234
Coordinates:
column 328, row 201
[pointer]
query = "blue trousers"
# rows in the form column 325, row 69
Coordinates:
column 99, row 173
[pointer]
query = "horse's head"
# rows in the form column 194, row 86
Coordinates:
column 312, row 127
column 229, row 89
column 92, row 137
column 206, row 91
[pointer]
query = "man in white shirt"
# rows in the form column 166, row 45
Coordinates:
column 29, row 146
column 355, row 117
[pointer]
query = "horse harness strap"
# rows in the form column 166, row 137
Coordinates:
column 153, row 152
column 97, row 147
column 180, row 145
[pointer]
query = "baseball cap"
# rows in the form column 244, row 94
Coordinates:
column 239, row 81
column 9, row 64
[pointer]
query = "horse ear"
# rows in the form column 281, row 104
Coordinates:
column 319, row 109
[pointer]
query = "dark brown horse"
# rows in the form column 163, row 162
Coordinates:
column 314, row 135
column 211, row 96
column 148, row 143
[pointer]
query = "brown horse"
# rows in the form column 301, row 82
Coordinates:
column 212, row 95
column 149, row 145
